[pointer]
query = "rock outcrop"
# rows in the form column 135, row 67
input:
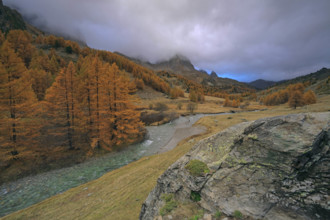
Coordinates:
column 273, row 168
column 10, row 19
column 214, row 74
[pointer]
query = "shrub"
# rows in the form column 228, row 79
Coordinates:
column 161, row 107
column 196, row 96
column 199, row 215
column 69, row 49
column 170, row 204
column 237, row 214
column 191, row 107
column 227, row 102
column 167, row 197
column 197, row 168
column 195, row 217
column 218, row 214
column 149, row 118
column 309, row 97
column 176, row 92
column 195, row 196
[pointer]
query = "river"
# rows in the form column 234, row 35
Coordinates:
column 27, row 191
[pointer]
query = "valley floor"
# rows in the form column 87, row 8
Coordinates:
column 119, row 194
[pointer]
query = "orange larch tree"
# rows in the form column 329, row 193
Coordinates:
column 296, row 99
column 227, row 102
column 21, row 42
column 125, row 126
column 17, row 103
column 64, row 109
column 41, row 81
column 309, row 97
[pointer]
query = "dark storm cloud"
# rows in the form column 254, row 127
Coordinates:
column 251, row 39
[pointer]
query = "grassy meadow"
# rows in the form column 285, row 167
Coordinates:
column 119, row 194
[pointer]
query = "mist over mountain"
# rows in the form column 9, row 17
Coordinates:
column 248, row 40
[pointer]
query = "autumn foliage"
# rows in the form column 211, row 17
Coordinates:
column 80, row 104
column 17, row 103
column 293, row 94
column 176, row 92
column 196, row 96
column 235, row 103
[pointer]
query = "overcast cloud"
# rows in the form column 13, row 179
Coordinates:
column 245, row 40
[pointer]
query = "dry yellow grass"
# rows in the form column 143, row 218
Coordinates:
column 119, row 194
column 211, row 104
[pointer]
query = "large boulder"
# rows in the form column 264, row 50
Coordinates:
column 272, row 168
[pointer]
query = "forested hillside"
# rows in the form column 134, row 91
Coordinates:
column 63, row 102
column 60, row 101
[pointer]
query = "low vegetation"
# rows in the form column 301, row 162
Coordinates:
column 195, row 196
column 293, row 94
column 237, row 214
column 115, row 194
column 218, row 214
column 170, row 204
column 156, row 118
column 191, row 107
column 198, row 216
column 197, row 168
column 159, row 106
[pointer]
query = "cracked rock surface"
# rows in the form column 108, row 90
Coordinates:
column 272, row 168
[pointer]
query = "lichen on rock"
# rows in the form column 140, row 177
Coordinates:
column 272, row 168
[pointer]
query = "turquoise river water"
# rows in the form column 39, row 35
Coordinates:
column 33, row 189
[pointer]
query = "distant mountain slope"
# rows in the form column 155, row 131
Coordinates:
column 318, row 81
column 181, row 65
column 321, row 74
column 261, row 84
column 10, row 19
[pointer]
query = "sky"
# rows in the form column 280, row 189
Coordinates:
column 243, row 40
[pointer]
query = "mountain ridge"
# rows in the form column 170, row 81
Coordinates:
column 10, row 19
column 261, row 84
column 181, row 65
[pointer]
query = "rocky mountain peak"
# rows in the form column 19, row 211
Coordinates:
column 273, row 168
column 177, row 63
column 214, row 74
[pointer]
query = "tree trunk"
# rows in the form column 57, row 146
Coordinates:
column 14, row 152
column 97, row 111
column 68, row 124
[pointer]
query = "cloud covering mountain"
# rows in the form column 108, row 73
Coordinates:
column 245, row 40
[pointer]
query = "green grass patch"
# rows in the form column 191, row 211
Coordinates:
column 197, row 168
column 170, row 204
column 218, row 214
column 199, row 215
column 195, row 196
column 237, row 214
